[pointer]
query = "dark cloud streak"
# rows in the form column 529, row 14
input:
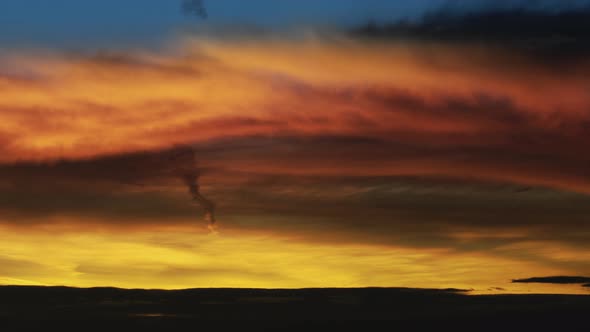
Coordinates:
column 554, row 280
column 78, row 185
column 550, row 32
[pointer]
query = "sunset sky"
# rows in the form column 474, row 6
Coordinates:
column 334, row 157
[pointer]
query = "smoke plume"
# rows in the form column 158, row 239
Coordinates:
column 185, row 166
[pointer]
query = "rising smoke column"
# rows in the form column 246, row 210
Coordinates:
column 181, row 163
column 191, row 181
column 185, row 166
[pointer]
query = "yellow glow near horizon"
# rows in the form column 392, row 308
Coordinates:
column 186, row 257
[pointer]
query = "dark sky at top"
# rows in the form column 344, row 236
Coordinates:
column 97, row 23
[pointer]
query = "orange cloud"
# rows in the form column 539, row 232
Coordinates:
column 466, row 112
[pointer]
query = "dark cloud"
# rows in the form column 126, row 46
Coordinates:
column 106, row 186
column 549, row 31
column 25, row 207
column 555, row 280
column 132, row 168
column 194, row 7
column 416, row 212
column 414, row 209
column 550, row 6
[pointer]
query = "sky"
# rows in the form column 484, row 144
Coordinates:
column 83, row 24
column 442, row 155
column 143, row 23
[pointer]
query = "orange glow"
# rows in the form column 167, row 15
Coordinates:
column 80, row 107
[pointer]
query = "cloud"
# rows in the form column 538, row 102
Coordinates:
column 545, row 29
column 417, row 212
column 103, row 185
column 171, row 273
column 194, row 7
column 555, row 280
column 549, row 6
column 418, row 144
column 13, row 267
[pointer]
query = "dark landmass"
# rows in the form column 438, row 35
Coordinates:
column 555, row 280
column 258, row 309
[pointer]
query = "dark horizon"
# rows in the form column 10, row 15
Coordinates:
column 43, row 307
